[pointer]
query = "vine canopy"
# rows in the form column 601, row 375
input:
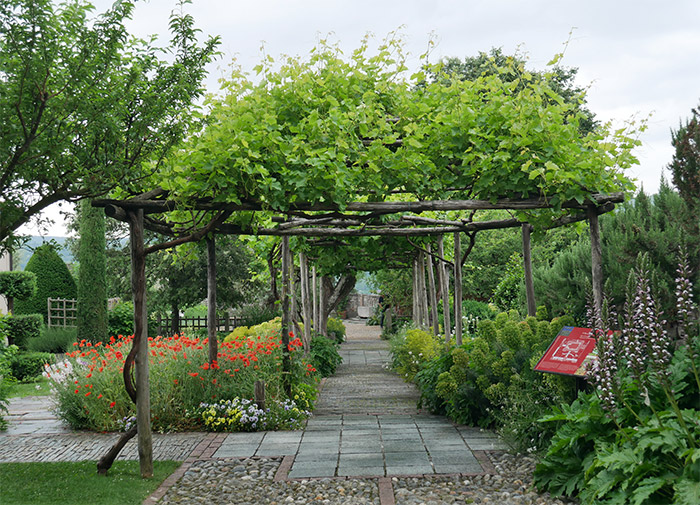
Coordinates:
column 332, row 129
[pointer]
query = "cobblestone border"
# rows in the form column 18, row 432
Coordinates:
column 204, row 450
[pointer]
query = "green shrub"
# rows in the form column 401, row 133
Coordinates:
column 53, row 280
column 489, row 381
column 18, row 285
column 411, row 348
column 252, row 315
column 53, row 340
column 324, row 355
column 121, row 319
column 6, row 378
column 336, row 329
column 21, row 329
column 27, row 365
column 474, row 311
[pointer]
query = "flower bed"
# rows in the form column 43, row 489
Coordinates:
column 90, row 391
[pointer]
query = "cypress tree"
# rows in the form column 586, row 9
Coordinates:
column 53, row 280
column 92, row 276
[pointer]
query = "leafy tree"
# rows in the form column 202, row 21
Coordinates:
column 180, row 277
column 92, row 275
column 84, row 105
column 656, row 225
column 685, row 166
column 560, row 79
column 53, row 280
column 17, row 286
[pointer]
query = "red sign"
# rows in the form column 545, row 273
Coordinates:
column 570, row 353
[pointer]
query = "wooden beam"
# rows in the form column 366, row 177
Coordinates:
column 527, row 265
column 154, row 206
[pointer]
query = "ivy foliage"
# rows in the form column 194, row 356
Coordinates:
column 334, row 129
column 52, row 278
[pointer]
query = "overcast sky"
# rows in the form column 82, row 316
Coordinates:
column 638, row 57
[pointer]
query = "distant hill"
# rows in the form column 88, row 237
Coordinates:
column 21, row 257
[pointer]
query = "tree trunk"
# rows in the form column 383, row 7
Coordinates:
column 143, row 399
column 527, row 264
column 175, row 318
column 211, row 301
column 272, row 267
column 333, row 295
column 458, row 289
column 433, row 292
column 286, row 320
column 416, row 289
column 445, row 289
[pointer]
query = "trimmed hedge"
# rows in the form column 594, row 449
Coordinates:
column 27, row 365
column 21, row 329
column 52, row 278
column 18, row 285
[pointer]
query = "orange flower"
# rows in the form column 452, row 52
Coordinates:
column 193, row 374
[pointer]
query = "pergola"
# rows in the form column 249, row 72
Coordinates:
column 146, row 211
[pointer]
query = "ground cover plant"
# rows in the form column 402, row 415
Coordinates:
column 90, row 391
column 636, row 438
column 58, row 485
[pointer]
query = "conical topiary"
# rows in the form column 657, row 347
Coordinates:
column 53, row 280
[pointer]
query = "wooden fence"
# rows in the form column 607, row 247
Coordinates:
column 226, row 323
column 62, row 312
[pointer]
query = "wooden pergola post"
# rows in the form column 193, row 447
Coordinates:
column 315, row 299
column 527, row 264
column 445, row 290
column 458, row 289
column 212, row 325
column 305, row 302
column 286, row 319
column 596, row 261
column 143, row 398
column 433, row 292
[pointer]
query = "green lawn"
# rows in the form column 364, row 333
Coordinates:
column 39, row 387
column 77, row 483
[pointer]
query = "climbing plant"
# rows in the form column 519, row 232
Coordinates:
column 330, row 129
